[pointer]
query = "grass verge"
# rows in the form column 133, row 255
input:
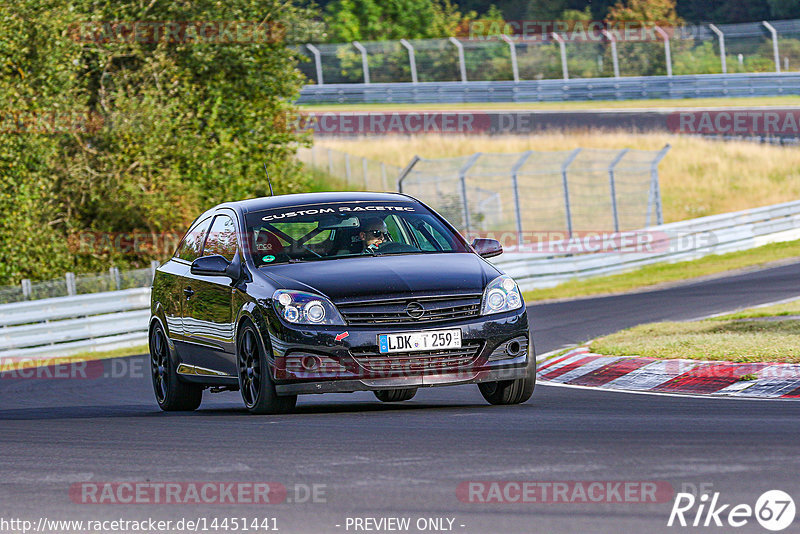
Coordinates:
column 654, row 275
column 746, row 336
column 555, row 106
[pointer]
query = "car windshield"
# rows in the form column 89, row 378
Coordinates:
column 328, row 231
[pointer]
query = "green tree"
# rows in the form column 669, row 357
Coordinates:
column 182, row 124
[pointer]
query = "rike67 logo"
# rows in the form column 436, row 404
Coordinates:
column 774, row 510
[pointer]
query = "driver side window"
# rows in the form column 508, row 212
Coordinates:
column 222, row 238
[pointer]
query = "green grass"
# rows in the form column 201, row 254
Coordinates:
column 711, row 339
column 554, row 106
column 654, row 275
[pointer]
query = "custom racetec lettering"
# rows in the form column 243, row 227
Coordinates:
column 344, row 209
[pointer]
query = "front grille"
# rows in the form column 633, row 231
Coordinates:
column 419, row 361
column 392, row 312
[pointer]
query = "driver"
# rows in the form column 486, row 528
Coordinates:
column 373, row 234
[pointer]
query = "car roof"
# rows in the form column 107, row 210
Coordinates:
column 301, row 199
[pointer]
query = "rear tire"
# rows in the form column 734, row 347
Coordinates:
column 255, row 382
column 172, row 395
column 395, row 395
column 507, row 392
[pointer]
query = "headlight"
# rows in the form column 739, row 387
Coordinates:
column 298, row 307
column 501, row 295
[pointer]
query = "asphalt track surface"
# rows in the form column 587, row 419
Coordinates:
column 407, row 460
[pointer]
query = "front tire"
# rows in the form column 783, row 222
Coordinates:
column 395, row 395
column 172, row 395
column 507, row 392
column 255, row 383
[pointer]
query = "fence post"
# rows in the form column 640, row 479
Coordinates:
column 563, row 48
column 462, row 177
column 613, row 187
column 565, row 186
column 461, row 63
column 383, row 176
column 317, row 62
column 113, row 272
column 655, row 185
column 517, row 210
column 412, row 62
column 513, row 50
column 70, row 279
column 330, row 162
column 668, row 55
column 405, row 171
column 26, row 289
column 364, row 170
column 721, row 47
column 614, row 57
column 775, row 53
column 364, row 60
column 347, row 168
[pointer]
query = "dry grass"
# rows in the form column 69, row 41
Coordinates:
column 698, row 177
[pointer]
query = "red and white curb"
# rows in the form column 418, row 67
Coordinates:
column 579, row 367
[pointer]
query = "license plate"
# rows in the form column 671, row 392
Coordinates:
column 412, row 341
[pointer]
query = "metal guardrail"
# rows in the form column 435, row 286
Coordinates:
column 673, row 242
column 68, row 325
column 625, row 88
column 104, row 321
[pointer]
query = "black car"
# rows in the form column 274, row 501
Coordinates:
column 334, row 292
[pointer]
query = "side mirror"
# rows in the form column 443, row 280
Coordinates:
column 215, row 265
column 487, row 248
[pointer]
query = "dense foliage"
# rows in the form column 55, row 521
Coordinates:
column 103, row 133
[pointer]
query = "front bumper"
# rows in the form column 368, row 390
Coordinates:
column 346, row 359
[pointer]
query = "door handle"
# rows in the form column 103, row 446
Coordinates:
column 188, row 292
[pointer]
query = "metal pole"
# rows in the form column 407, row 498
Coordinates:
column 656, row 186
column 565, row 185
column 514, row 184
column 383, row 176
column 347, row 168
column 405, row 172
column 412, row 62
column 461, row 63
column 563, row 47
column 364, row 170
column 364, row 61
column 667, row 52
column 774, row 45
column 721, row 47
column 154, row 264
column 70, row 280
column 614, row 57
column 462, row 177
column 317, row 62
column 513, row 49
column 613, row 187
column 26, row 289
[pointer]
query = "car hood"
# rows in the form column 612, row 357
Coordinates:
column 360, row 277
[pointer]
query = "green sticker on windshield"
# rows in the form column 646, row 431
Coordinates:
column 268, row 258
